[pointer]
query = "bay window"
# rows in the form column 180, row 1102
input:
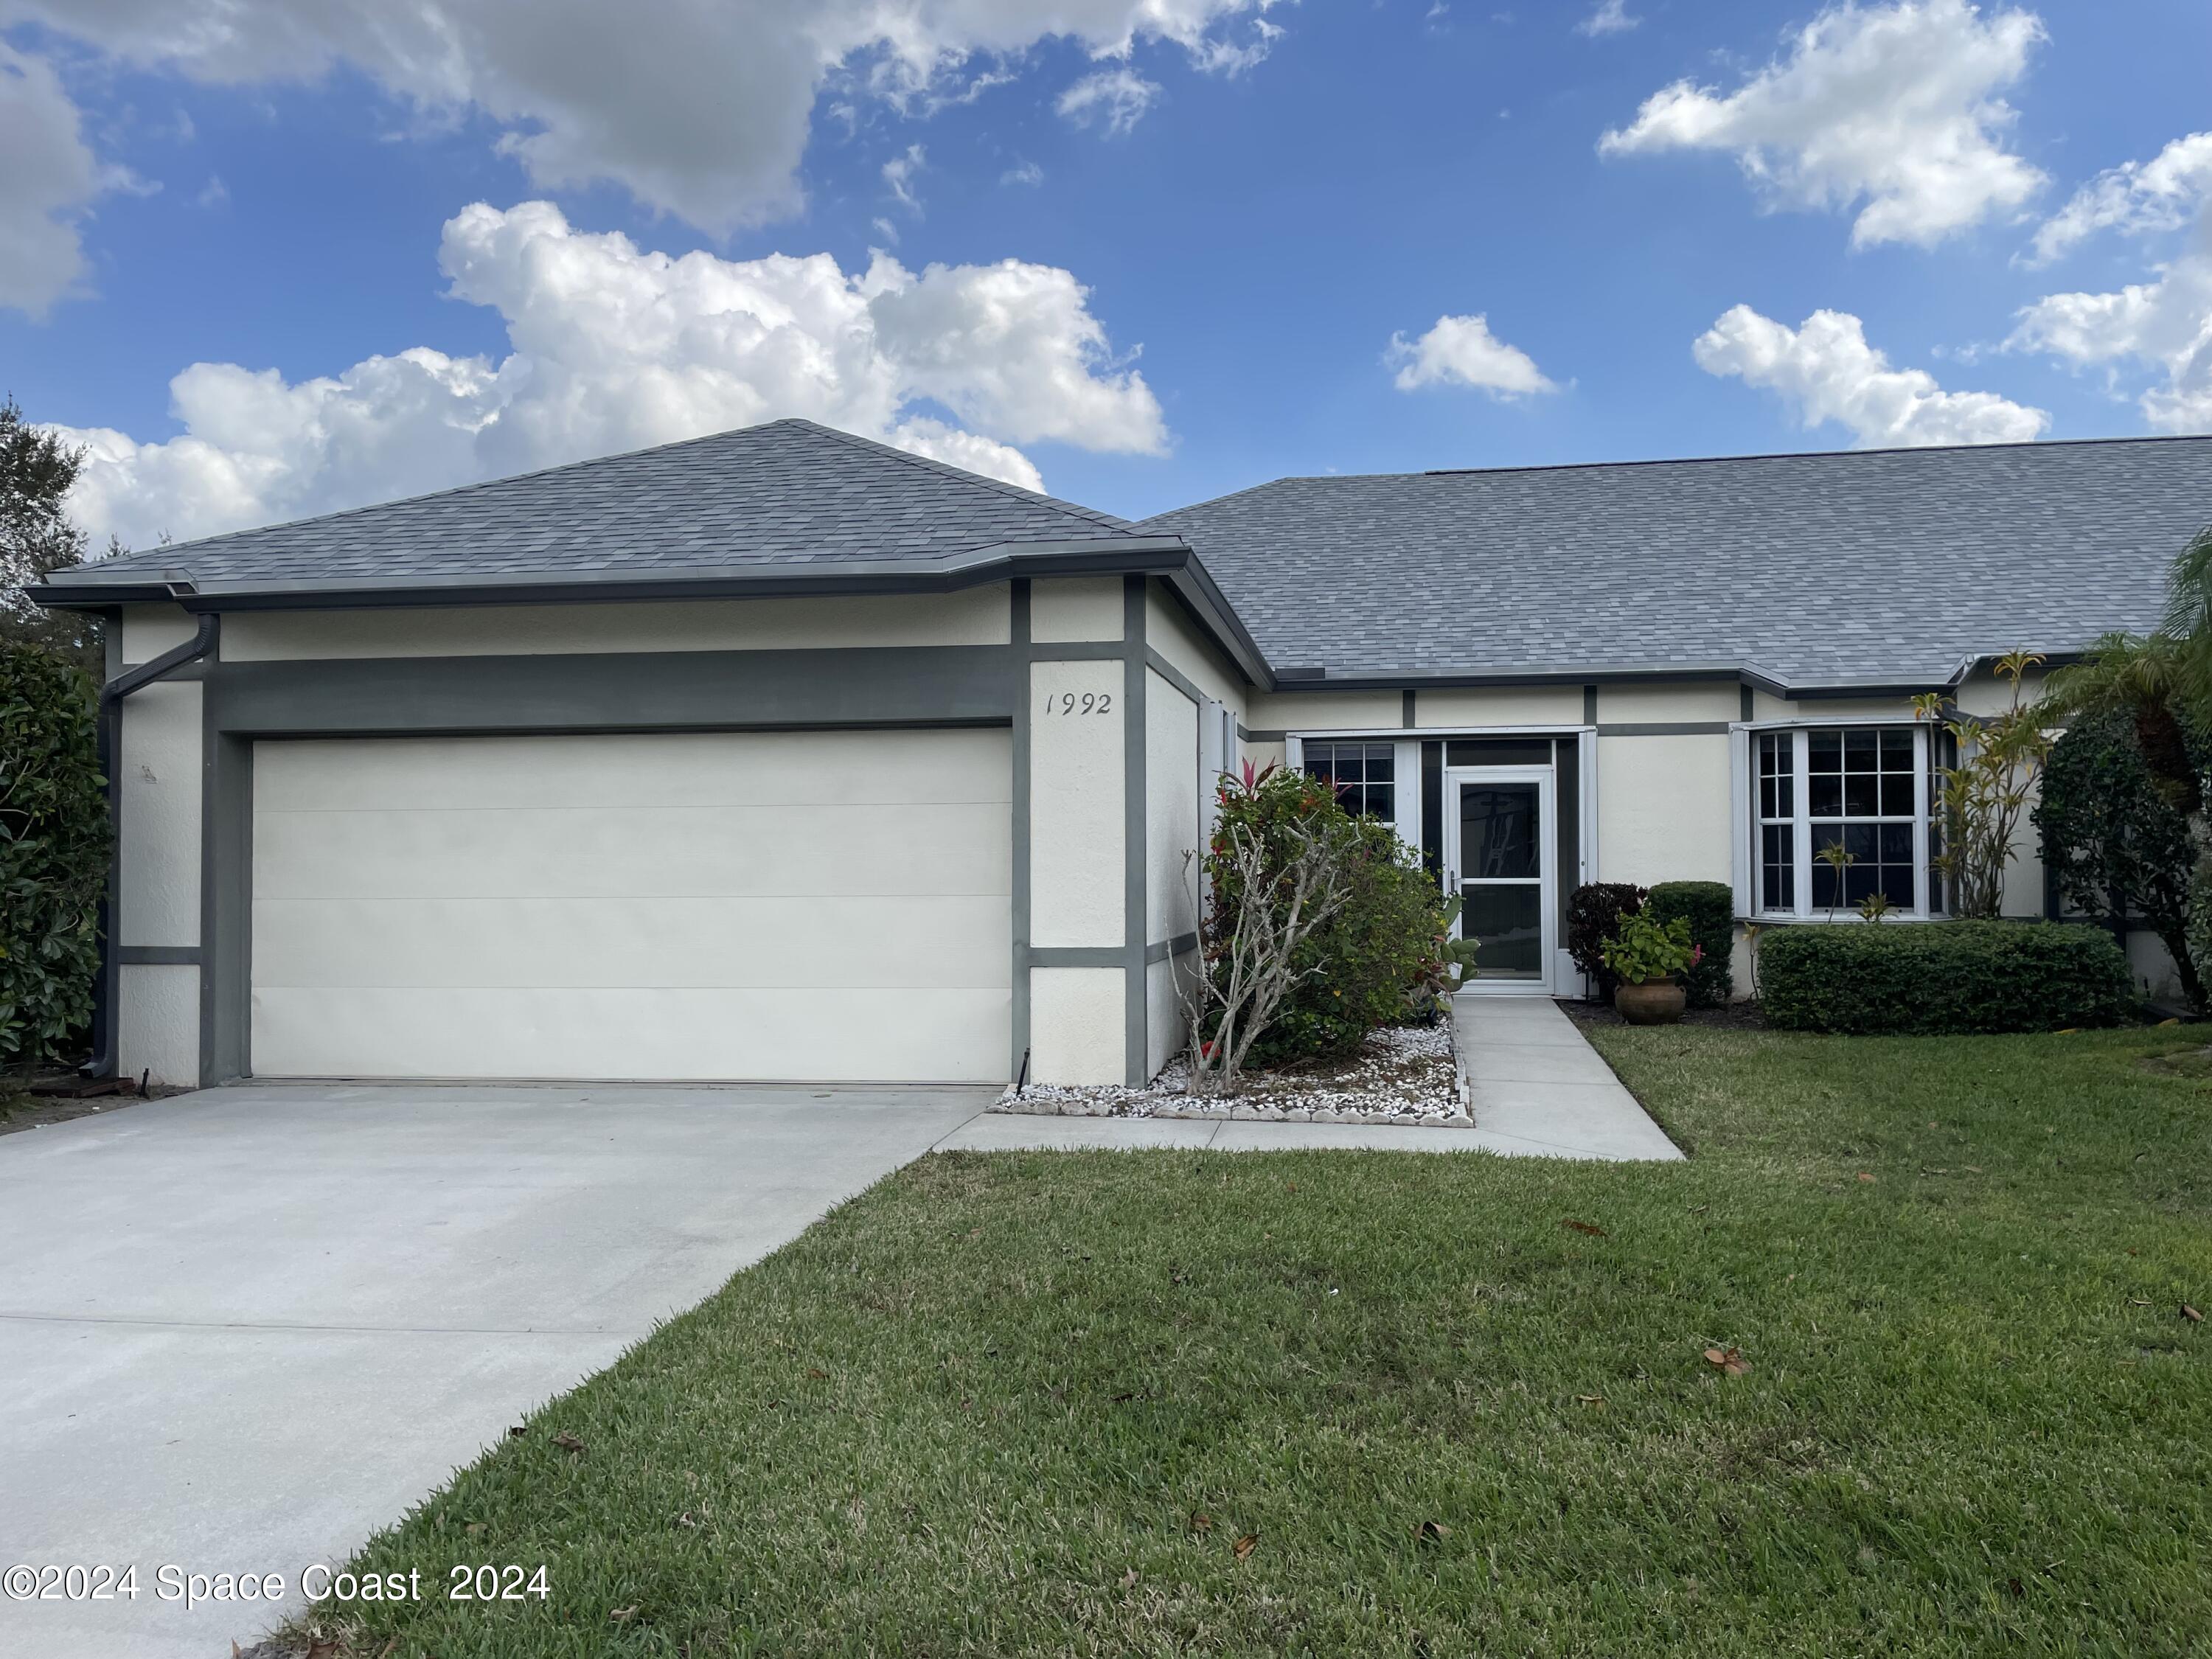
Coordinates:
column 1862, row 788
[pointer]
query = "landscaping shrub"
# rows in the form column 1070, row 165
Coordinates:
column 1594, row 914
column 1943, row 978
column 1362, row 968
column 53, row 851
column 2114, row 841
column 1709, row 908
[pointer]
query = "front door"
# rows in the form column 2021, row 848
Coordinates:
column 1499, row 839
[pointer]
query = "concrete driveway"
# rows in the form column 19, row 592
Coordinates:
column 240, row 1330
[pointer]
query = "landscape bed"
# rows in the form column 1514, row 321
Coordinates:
column 1403, row 1074
column 1899, row 1361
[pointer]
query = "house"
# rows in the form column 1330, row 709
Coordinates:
column 781, row 754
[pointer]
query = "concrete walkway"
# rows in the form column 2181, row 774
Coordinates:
column 1536, row 1085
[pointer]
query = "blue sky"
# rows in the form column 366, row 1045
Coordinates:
column 1219, row 225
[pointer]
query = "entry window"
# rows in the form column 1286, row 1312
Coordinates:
column 1361, row 773
column 1862, row 789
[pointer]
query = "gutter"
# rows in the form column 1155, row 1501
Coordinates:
column 107, row 988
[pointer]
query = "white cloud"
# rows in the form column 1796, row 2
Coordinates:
column 1027, row 172
column 2163, row 323
column 1895, row 106
column 48, row 177
column 1825, row 370
column 612, row 347
column 1119, row 97
column 1462, row 351
column 700, row 109
column 2135, row 198
column 898, row 175
column 1611, row 17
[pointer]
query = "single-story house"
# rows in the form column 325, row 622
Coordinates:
column 785, row 754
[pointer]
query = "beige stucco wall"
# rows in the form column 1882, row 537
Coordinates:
column 1171, row 810
column 151, row 630
column 1076, row 608
column 1499, row 706
column 1078, row 1026
column 158, row 1027
column 1669, row 702
column 1324, row 711
column 979, row 615
column 1664, row 809
column 1168, row 631
column 1165, row 1030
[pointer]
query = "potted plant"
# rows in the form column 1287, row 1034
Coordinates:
column 1650, row 958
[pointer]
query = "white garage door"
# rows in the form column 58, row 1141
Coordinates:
column 823, row 906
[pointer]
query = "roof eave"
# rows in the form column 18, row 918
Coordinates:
column 1169, row 557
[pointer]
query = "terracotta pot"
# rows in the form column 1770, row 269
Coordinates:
column 1655, row 1002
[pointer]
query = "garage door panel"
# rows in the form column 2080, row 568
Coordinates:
column 694, row 768
column 869, row 943
column 633, row 851
column 656, row 1035
column 826, row 906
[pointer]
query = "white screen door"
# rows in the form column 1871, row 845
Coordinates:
column 1499, row 835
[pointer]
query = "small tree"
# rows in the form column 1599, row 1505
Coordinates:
column 37, row 470
column 1979, row 800
column 1281, row 868
column 2115, row 842
column 53, row 851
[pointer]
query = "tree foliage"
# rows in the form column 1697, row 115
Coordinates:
column 54, row 840
column 2118, row 844
column 1981, row 797
column 37, row 538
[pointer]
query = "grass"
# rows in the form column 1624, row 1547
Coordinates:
column 1032, row 1403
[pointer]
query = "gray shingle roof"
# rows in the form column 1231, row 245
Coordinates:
column 786, row 492
column 1860, row 566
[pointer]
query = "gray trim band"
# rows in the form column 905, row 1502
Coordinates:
column 1590, row 705
column 1079, row 956
column 1160, row 949
column 1262, row 737
column 1133, row 924
column 1173, row 675
column 1406, row 714
column 158, row 956
column 1665, row 729
column 1019, row 633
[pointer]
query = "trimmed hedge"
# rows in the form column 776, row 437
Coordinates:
column 1709, row 908
column 1944, row 978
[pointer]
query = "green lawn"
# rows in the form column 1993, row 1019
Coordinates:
column 1033, row 1403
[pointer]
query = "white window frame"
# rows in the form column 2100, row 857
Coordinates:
column 1750, row 885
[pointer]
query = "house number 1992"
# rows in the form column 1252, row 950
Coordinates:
column 1089, row 702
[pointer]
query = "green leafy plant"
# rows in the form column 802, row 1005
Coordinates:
column 1946, row 977
column 1839, row 859
column 1647, row 949
column 2118, row 844
column 1875, row 906
column 1709, row 908
column 1594, row 915
column 1981, row 797
column 1320, row 927
column 54, row 843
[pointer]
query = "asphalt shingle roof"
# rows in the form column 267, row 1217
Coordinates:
column 1858, row 566
column 786, row 492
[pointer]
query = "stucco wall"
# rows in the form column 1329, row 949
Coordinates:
column 159, row 1028
column 1324, row 711
column 1076, row 829
column 1172, row 817
column 1078, row 1026
column 1504, row 705
column 978, row 616
column 1669, row 702
column 1664, row 809
column 1172, row 633
column 1164, row 1028
column 1076, row 608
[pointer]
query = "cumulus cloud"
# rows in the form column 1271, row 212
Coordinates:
column 1117, row 97
column 700, row 110
column 1825, row 371
column 1895, row 106
column 899, row 174
column 1611, row 17
column 2163, row 323
column 1462, row 351
column 612, row 347
column 47, row 179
